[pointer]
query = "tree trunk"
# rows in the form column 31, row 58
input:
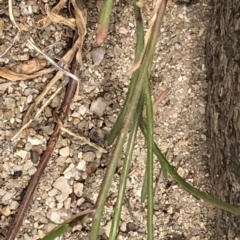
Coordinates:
column 223, row 110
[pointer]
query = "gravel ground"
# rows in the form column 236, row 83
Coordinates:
column 72, row 179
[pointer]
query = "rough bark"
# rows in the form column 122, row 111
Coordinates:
column 223, row 110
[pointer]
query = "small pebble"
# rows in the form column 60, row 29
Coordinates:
column 123, row 30
column 55, row 102
column 4, row 86
column 55, row 217
column 2, row 192
column 47, row 130
column 68, row 175
column 62, row 184
column 41, row 219
column 22, row 154
column 78, row 189
column 35, row 156
column 17, row 174
column 80, row 201
column 24, row 57
column 98, row 55
column 49, row 227
column 87, row 148
column 48, row 112
column 53, row 192
column 64, row 152
column 59, row 205
column 203, row 137
column 50, row 202
column 123, row 227
column 14, row 205
column 195, row 238
column 201, row 110
column 88, row 156
column 28, row 146
column 10, row 103
column 92, row 167
column 181, row 172
column 6, row 211
column 108, row 228
column 32, row 170
column 7, row 196
column 131, row 226
column 16, row 12
column 98, row 106
column 81, row 165
column 82, row 110
column 40, row 233
column 60, row 161
column 69, row 168
column 27, row 165
column 67, row 203
column 98, row 136
column 26, row 237
column 35, row 141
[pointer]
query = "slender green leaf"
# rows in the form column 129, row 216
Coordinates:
column 139, row 47
column 124, row 176
column 186, row 186
column 150, row 141
column 58, row 232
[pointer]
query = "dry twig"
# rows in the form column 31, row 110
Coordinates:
column 159, row 98
column 85, row 140
column 45, row 157
column 37, row 114
column 80, row 16
column 30, row 42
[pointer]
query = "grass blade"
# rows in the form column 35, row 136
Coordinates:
column 80, row 218
column 186, row 186
column 139, row 48
column 131, row 112
column 124, row 175
column 58, row 232
column 149, row 175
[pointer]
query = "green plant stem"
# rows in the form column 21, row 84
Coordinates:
column 150, row 141
column 104, row 21
column 139, row 47
column 106, row 13
column 58, row 232
column 116, row 155
column 186, row 186
column 131, row 113
column 105, row 186
column 124, row 175
column 118, row 124
column 146, row 60
column 144, row 186
column 80, row 218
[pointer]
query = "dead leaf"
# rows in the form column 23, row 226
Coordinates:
column 152, row 20
column 60, row 19
column 14, row 76
column 81, row 20
column 1, row 27
column 56, row 9
column 31, row 66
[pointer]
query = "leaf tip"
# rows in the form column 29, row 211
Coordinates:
column 101, row 34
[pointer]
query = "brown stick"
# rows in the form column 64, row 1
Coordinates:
column 71, row 88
